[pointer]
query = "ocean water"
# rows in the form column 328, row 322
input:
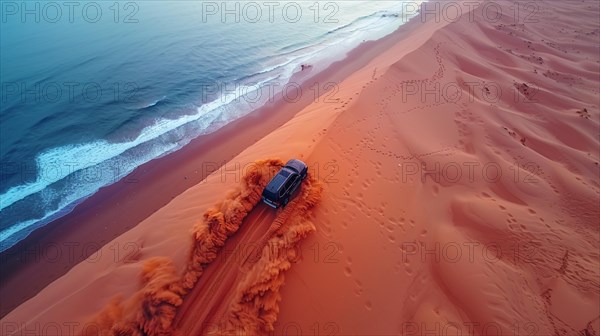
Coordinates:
column 91, row 90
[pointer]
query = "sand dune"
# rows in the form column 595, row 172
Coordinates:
column 254, row 307
column 482, row 211
column 153, row 308
column 461, row 194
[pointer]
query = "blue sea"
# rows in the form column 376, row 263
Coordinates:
column 91, row 90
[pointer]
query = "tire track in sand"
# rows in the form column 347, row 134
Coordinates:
column 214, row 290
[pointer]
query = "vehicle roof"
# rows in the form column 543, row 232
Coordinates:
column 296, row 165
column 276, row 182
column 292, row 167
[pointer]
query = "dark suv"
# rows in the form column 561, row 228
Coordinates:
column 278, row 192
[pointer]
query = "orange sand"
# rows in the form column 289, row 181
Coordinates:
column 476, row 212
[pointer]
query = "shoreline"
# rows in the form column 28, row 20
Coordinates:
column 52, row 250
column 389, row 241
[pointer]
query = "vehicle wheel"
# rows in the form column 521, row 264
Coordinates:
column 285, row 202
